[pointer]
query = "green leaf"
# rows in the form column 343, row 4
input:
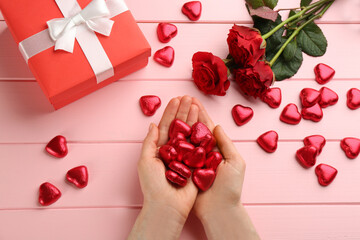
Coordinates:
column 312, row 40
column 260, row 3
column 284, row 69
column 305, row 3
column 290, row 50
column 264, row 26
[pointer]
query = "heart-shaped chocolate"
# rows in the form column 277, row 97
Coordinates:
column 192, row 10
column 241, row 114
column 323, row 73
column 175, row 178
column 325, row 174
column 351, row 147
column 166, row 31
column 175, row 138
column 78, row 176
column 167, row 153
column 213, row 159
column 195, row 158
column 353, row 98
column 183, row 147
column 57, row 147
column 313, row 113
column 268, row 141
column 327, row 97
column 199, row 132
column 272, row 97
column 309, row 97
column 203, row 178
column 48, row 194
column 306, row 156
column 149, row 104
column 165, row 56
column 208, row 142
column 180, row 169
column 290, row 114
column 316, row 141
column 179, row 126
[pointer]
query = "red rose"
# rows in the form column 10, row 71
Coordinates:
column 256, row 80
column 210, row 73
column 246, row 45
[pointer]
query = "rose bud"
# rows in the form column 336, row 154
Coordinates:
column 254, row 81
column 210, row 73
column 246, row 45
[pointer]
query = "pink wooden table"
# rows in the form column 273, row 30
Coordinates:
column 105, row 131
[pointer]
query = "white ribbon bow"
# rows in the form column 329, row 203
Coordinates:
column 96, row 17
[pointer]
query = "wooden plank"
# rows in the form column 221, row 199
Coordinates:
column 28, row 117
column 272, row 222
column 195, row 37
column 231, row 11
column 270, row 178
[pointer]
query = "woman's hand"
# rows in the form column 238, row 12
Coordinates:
column 219, row 208
column 165, row 207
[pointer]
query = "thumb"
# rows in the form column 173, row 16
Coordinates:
column 150, row 142
column 226, row 146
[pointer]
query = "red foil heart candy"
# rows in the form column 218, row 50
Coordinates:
column 316, row 141
column 57, row 147
column 290, row 114
column 166, row 31
column 353, row 98
column 165, row 56
column 179, row 126
column 323, row 73
column 272, row 97
column 199, row 132
column 268, row 141
column 327, row 97
column 309, row 97
column 183, row 147
column 48, row 194
column 168, row 153
column 195, row 158
column 175, row 178
column 325, row 173
column 208, row 142
column 192, row 10
column 351, row 147
column 306, row 156
column 203, row 178
column 149, row 104
column 241, row 114
column 313, row 113
column 180, row 169
column 213, row 159
column 176, row 138
column 78, row 176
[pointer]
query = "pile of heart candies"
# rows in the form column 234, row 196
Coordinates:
column 190, row 148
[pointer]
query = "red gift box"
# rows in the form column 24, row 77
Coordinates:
column 65, row 77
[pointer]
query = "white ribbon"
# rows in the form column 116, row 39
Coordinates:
column 82, row 25
column 94, row 16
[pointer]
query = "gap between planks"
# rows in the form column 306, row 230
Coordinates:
column 140, row 206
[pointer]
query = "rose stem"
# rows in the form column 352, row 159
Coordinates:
column 306, row 15
column 265, row 36
column 297, row 30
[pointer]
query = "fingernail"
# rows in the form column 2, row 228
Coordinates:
column 151, row 126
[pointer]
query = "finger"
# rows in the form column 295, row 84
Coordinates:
column 226, row 146
column 193, row 115
column 203, row 115
column 184, row 108
column 149, row 146
column 168, row 116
